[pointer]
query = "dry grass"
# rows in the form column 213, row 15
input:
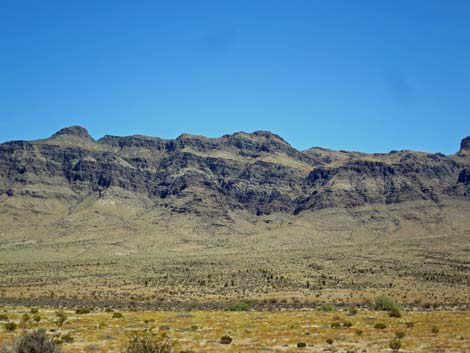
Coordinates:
column 256, row 331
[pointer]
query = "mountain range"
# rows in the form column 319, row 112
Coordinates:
column 255, row 172
column 240, row 216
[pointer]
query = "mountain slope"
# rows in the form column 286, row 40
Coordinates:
column 259, row 172
column 128, row 217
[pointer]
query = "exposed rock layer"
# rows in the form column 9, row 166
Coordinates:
column 258, row 172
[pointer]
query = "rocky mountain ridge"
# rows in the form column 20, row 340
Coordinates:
column 256, row 172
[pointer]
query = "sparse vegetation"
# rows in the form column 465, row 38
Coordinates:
column 97, row 332
column 147, row 342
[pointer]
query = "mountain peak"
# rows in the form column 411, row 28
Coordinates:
column 465, row 144
column 74, row 131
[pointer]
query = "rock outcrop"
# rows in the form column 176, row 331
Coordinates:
column 257, row 172
column 465, row 144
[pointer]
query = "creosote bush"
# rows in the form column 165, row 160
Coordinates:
column 239, row 307
column 301, row 345
column 352, row 311
column 335, row 324
column 395, row 344
column 117, row 315
column 61, row 317
column 380, row 326
column 10, row 326
column 225, row 339
column 148, row 342
column 327, row 307
column 384, row 303
column 400, row 334
column 82, row 311
column 33, row 342
column 394, row 312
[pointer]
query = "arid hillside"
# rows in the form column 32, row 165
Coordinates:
column 197, row 219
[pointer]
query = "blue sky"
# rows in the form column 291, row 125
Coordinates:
column 355, row 75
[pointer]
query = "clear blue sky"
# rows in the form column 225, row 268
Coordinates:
column 358, row 75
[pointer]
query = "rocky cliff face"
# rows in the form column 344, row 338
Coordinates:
column 258, row 172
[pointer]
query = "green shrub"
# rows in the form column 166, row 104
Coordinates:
column 410, row 324
column 34, row 342
column 3, row 317
column 34, row 310
column 380, row 326
column 148, row 342
column 384, row 303
column 395, row 345
column 347, row 324
column 435, row 330
column 108, row 310
column 25, row 318
column 359, row 332
column 10, row 326
column 329, row 341
column 239, row 307
column 37, row 317
column 117, row 315
column 301, row 345
column 225, row 339
column 327, row 307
